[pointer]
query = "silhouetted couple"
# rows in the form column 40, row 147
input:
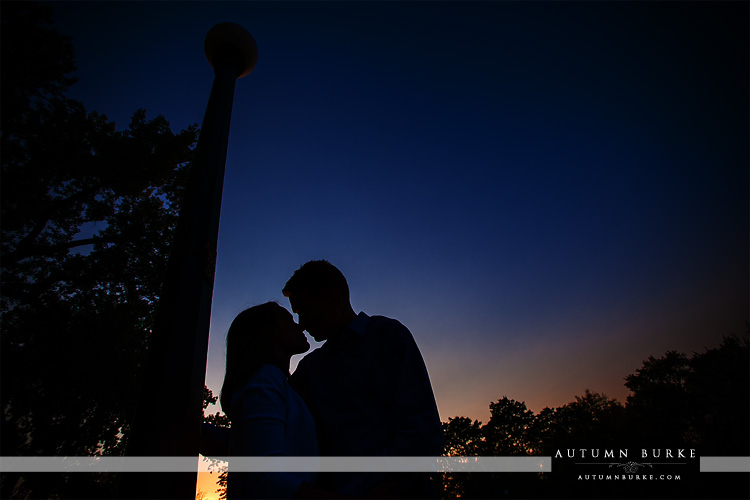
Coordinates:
column 364, row 392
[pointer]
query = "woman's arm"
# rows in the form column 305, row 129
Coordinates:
column 214, row 441
column 260, row 430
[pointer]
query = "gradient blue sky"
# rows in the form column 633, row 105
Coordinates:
column 545, row 193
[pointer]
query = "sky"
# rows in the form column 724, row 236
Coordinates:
column 544, row 193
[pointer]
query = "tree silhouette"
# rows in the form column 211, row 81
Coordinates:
column 462, row 438
column 591, row 420
column 506, row 432
column 87, row 217
column 659, row 398
column 718, row 386
column 36, row 61
column 219, row 420
column 700, row 402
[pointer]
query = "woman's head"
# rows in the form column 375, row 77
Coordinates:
column 264, row 334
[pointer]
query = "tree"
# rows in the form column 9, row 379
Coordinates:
column 659, row 403
column 718, row 388
column 700, row 402
column 544, row 432
column 87, row 217
column 462, row 438
column 36, row 60
column 506, row 432
column 591, row 420
column 220, row 420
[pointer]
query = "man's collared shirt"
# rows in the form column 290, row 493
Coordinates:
column 371, row 394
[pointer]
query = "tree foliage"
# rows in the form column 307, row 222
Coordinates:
column 220, row 420
column 87, row 217
column 718, row 389
column 700, row 402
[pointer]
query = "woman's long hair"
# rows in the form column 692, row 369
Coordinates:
column 249, row 345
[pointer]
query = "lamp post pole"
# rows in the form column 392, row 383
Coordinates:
column 169, row 409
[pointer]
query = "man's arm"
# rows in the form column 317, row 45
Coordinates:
column 417, row 428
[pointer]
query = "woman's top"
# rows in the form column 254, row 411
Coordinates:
column 269, row 418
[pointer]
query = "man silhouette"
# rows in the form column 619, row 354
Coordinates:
column 367, row 385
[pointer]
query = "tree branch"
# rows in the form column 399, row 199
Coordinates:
column 26, row 248
column 39, row 251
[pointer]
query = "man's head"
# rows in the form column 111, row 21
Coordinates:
column 319, row 294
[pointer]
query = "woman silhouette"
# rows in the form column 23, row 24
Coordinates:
column 268, row 417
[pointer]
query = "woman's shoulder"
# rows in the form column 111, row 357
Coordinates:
column 271, row 373
column 266, row 378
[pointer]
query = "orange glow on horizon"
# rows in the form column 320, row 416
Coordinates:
column 207, row 483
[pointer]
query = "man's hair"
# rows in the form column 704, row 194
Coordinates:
column 319, row 277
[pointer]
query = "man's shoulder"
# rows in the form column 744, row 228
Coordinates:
column 388, row 328
column 384, row 321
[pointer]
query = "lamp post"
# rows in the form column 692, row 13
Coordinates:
column 169, row 412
